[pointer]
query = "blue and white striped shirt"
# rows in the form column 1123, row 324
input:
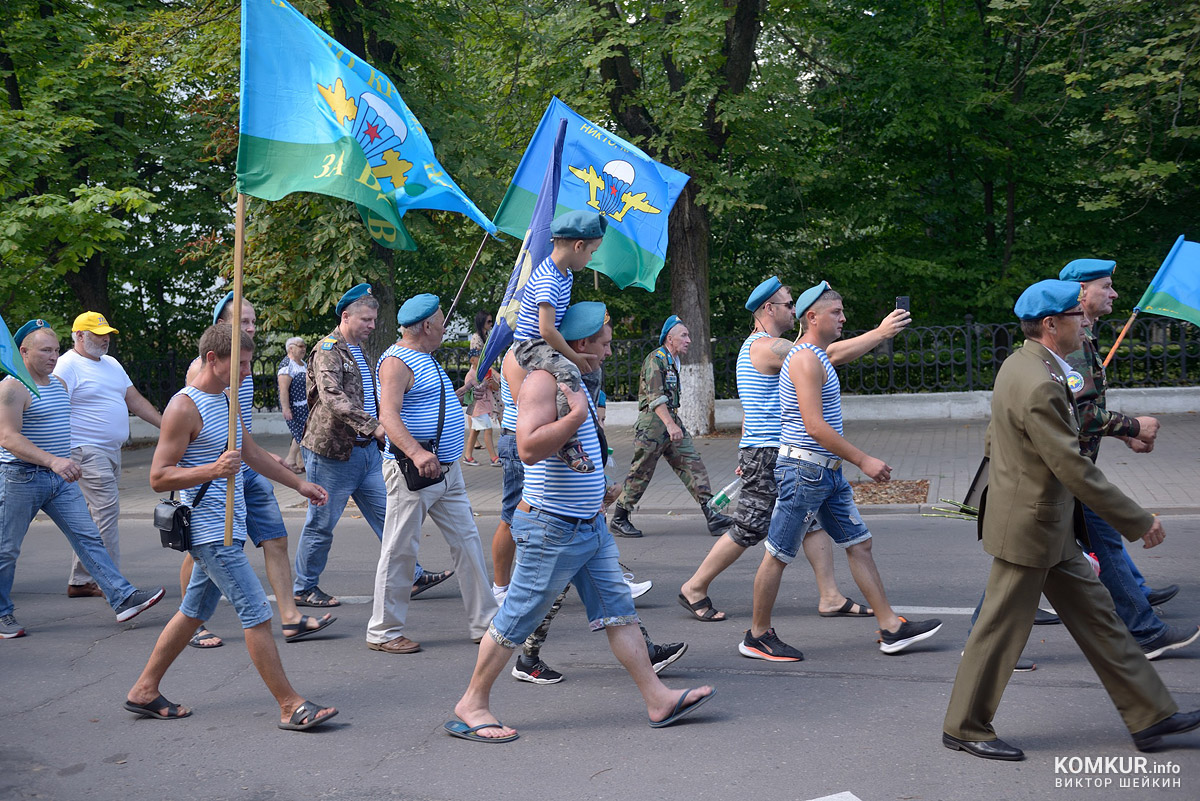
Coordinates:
column 246, row 409
column 553, row 486
column 794, row 432
column 370, row 406
column 508, row 417
column 208, row 520
column 47, row 421
column 421, row 405
column 546, row 284
column 759, row 393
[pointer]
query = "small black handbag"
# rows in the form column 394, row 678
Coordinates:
column 412, row 474
column 173, row 519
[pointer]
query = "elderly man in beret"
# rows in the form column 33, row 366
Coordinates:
column 418, row 408
column 37, row 473
column 1029, row 521
column 341, row 443
column 658, row 432
column 102, row 398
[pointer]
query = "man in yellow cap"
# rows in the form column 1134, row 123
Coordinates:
column 102, row 398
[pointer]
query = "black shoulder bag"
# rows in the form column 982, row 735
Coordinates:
column 173, row 519
column 412, row 474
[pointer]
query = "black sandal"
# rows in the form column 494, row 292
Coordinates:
column 709, row 615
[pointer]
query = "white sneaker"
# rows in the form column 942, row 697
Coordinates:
column 637, row 588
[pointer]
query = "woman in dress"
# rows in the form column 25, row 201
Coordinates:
column 293, row 399
column 480, row 410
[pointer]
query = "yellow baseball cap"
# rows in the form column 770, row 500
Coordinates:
column 94, row 322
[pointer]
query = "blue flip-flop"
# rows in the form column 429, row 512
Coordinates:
column 680, row 710
column 456, row 728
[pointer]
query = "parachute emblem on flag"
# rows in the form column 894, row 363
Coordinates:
column 609, row 189
column 379, row 131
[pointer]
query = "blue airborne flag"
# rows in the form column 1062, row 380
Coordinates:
column 534, row 250
column 317, row 118
column 1175, row 290
column 605, row 173
column 11, row 361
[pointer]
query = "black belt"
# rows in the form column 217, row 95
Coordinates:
column 363, row 443
column 534, row 510
column 504, row 432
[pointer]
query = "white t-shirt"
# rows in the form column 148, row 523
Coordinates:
column 99, row 414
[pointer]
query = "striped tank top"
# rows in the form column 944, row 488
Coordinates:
column 759, row 393
column 508, row 417
column 47, row 421
column 553, row 486
column 421, row 405
column 370, row 406
column 794, row 432
column 246, row 409
column 208, row 520
column 546, row 284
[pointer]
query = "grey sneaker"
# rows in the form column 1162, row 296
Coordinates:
column 664, row 655
column 768, row 647
column 1173, row 637
column 10, row 628
column 909, row 632
column 138, row 602
column 535, row 671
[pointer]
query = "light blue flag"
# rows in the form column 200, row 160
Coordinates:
column 605, row 173
column 317, row 118
column 1175, row 290
column 11, row 361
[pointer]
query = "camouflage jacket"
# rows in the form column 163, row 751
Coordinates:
column 335, row 400
column 1088, row 384
column 659, row 382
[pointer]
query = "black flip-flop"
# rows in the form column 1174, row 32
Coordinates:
column 301, row 629
column 847, row 610
column 305, row 717
column 709, row 615
column 204, row 634
column 159, row 709
column 680, row 710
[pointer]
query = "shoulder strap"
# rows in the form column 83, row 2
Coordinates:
column 442, row 408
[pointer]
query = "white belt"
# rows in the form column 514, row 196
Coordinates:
column 792, row 452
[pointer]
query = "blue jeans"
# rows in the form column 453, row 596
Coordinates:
column 552, row 553
column 1115, row 575
column 514, row 476
column 24, row 491
column 810, row 492
column 263, row 521
column 224, row 570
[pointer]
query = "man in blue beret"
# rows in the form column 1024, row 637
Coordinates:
column 659, row 433
column 423, row 421
column 37, row 473
column 341, row 443
column 1029, row 522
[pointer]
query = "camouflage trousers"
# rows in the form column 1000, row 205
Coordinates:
column 756, row 499
column 650, row 442
column 535, row 641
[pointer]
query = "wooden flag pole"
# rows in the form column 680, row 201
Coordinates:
column 1113, row 350
column 235, row 358
column 467, row 277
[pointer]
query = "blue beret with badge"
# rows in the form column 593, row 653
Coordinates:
column 671, row 322
column 763, row 292
column 582, row 320
column 417, row 308
column 1047, row 298
column 578, row 225
column 362, row 290
column 221, row 304
column 809, row 296
column 1087, row 270
column 28, row 329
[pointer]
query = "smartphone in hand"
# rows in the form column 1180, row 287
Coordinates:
column 902, row 302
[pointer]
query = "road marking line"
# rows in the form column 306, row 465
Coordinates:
column 933, row 610
column 845, row 795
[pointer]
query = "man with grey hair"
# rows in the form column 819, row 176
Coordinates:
column 102, row 398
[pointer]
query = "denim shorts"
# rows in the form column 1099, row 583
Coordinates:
column 552, row 553
column 263, row 521
column 514, row 476
column 224, row 570
column 809, row 492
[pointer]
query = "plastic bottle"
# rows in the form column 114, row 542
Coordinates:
column 720, row 502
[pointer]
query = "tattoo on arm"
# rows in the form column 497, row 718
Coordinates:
column 781, row 348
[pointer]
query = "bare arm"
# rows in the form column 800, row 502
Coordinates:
column 285, row 404
column 14, row 400
column 540, row 432
column 181, row 424
column 848, row 350
column 808, row 375
column 141, row 407
column 767, row 354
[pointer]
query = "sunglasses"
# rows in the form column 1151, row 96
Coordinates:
column 791, row 304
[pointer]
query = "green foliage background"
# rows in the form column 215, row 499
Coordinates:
column 951, row 151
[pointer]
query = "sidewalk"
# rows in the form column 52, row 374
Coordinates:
column 945, row 452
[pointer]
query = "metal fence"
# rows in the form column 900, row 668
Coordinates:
column 1157, row 352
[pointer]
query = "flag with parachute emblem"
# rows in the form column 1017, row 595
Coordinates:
column 317, row 118
column 604, row 173
column 1175, row 290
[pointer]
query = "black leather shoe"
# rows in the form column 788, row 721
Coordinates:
column 1176, row 724
column 986, row 749
column 1043, row 618
column 1161, row 596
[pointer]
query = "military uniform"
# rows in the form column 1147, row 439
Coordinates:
column 336, row 419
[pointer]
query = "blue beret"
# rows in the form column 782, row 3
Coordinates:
column 809, row 297
column 671, row 322
column 417, row 308
column 578, row 225
column 1087, row 270
column 221, row 304
column 763, row 292
column 1046, row 298
column 582, row 320
column 602, row 400
column 28, row 329
column 354, row 294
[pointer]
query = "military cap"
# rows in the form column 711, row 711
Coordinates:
column 763, row 292
column 1047, row 298
column 582, row 320
column 1087, row 270
column 94, row 322
column 578, row 225
column 28, row 329
column 671, row 322
column 809, row 296
column 417, row 308
column 352, row 295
